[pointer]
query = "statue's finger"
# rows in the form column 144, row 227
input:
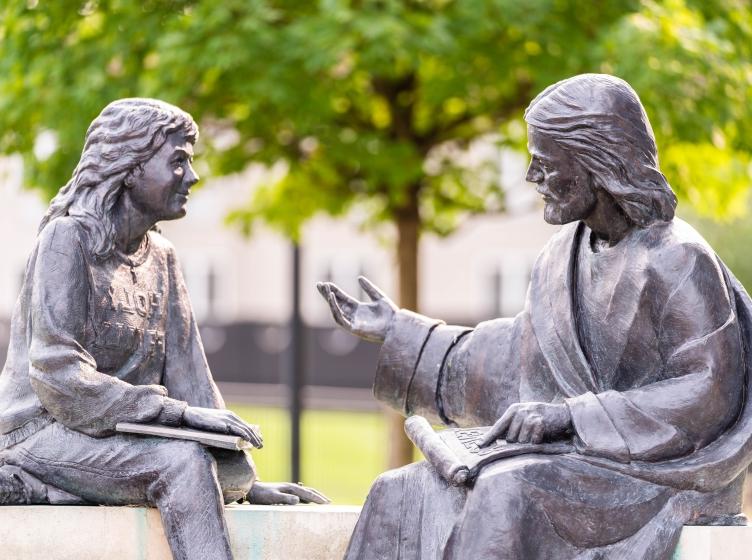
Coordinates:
column 318, row 497
column 286, row 499
column 253, row 436
column 308, row 495
column 257, row 438
column 537, row 435
column 526, row 431
column 249, row 433
column 339, row 316
column 346, row 302
column 324, row 288
column 369, row 288
column 513, row 433
column 498, row 429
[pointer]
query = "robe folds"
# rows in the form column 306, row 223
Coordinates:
column 646, row 342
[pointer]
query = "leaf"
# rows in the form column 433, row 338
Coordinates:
column 377, row 87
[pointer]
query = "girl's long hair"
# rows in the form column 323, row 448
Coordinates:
column 600, row 121
column 125, row 135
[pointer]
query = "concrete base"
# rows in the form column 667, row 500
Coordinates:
column 131, row 533
column 715, row 543
column 256, row 532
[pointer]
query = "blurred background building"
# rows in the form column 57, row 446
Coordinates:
column 240, row 289
column 240, row 286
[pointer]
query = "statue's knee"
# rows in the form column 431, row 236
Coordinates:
column 246, row 470
column 186, row 457
column 182, row 468
column 506, row 485
column 388, row 479
column 236, row 473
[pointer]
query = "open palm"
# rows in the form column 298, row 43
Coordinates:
column 369, row 321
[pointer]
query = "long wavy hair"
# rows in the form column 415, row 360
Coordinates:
column 125, row 135
column 601, row 122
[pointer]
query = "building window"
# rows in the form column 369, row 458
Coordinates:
column 202, row 281
column 509, row 281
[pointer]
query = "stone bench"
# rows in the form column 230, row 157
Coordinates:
column 134, row 533
column 256, row 532
column 715, row 543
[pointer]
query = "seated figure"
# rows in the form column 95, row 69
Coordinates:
column 633, row 343
column 103, row 332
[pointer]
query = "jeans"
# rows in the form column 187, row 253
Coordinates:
column 187, row 482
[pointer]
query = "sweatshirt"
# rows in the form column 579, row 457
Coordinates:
column 94, row 343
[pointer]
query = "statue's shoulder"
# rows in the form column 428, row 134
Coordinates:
column 60, row 235
column 676, row 247
column 163, row 247
column 160, row 242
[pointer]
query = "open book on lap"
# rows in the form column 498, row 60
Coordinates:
column 456, row 456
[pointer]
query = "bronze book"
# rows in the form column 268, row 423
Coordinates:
column 456, row 456
column 210, row 439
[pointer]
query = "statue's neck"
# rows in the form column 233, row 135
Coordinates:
column 607, row 221
column 131, row 224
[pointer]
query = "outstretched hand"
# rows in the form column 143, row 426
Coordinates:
column 285, row 493
column 369, row 321
column 531, row 422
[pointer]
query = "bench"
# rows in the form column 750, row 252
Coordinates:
column 256, row 532
column 714, row 543
column 135, row 533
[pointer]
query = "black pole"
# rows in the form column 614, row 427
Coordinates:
column 295, row 367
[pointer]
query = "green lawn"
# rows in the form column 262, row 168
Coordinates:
column 342, row 451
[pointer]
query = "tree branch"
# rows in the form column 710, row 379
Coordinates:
column 442, row 132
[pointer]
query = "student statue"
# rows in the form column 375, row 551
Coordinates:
column 633, row 344
column 103, row 332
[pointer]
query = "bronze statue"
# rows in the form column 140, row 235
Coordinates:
column 103, row 333
column 633, row 344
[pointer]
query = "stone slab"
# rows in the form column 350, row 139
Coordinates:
column 134, row 533
column 256, row 532
column 715, row 543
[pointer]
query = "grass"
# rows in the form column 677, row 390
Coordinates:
column 342, row 452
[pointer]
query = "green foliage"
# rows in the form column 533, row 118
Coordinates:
column 730, row 238
column 373, row 100
column 691, row 63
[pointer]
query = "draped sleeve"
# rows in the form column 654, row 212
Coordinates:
column 457, row 375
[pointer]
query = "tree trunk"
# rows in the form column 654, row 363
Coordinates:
column 408, row 233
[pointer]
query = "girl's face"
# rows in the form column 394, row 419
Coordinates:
column 160, row 191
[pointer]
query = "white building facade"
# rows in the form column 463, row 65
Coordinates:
column 479, row 272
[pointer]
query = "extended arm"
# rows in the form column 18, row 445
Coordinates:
column 450, row 374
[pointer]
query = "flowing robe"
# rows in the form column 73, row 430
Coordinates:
column 645, row 342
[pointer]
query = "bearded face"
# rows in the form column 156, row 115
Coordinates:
column 565, row 185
